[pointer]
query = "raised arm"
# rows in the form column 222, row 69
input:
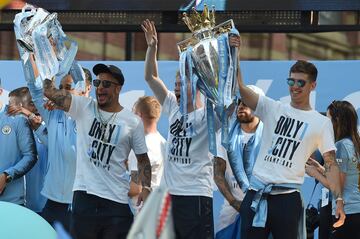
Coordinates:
column 61, row 98
column 248, row 96
column 151, row 67
column 222, row 184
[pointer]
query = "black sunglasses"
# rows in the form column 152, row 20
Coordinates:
column 241, row 102
column 105, row 83
column 299, row 82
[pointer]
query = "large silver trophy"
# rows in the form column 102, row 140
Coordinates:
column 209, row 63
column 38, row 32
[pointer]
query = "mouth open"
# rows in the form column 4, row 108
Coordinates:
column 101, row 97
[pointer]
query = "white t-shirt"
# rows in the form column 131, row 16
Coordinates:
column 229, row 176
column 101, row 154
column 156, row 145
column 289, row 138
column 227, row 212
column 188, row 166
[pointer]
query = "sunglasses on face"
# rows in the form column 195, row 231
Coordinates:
column 240, row 102
column 298, row 82
column 105, row 83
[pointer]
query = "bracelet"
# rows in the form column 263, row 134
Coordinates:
column 340, row 199
column 31, row 116
column 147, row 188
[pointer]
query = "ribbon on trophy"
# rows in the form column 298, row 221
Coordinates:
column 209, row 63
column 39, row 32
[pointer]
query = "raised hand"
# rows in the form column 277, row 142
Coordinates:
column 234, row 40
column 150, row 33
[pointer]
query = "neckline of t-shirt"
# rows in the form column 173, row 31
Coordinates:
column 304, row 111
column 246, row 133
column 195, row 111
column 110, row 113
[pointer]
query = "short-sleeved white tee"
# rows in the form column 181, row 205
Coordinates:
column 102, row 151
column 188, row 166
column 229, row 176
column 156, row 145
column 289, row 138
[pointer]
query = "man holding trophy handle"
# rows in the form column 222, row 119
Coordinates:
column 292, row 132
column 188, row 165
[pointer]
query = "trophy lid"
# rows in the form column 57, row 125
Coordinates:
column 197, row 22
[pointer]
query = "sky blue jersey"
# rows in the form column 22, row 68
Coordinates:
column 18, row 154
column 35, row 177
column 59, row 178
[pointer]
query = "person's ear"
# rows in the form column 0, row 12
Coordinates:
column 119, row 87
column 313, row 85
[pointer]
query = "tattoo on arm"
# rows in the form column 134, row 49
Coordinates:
column 144, row 169
column 222, row 184
column 134, row 177
column 61, row 98
column 332, row 173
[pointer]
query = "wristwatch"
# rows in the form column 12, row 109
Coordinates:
column 8, row 177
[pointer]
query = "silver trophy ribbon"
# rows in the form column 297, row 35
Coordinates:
column 209, row 63
column 39, row 32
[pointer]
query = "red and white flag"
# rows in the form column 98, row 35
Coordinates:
column 155, row 218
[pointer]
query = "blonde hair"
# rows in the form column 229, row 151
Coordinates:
column 148, row 106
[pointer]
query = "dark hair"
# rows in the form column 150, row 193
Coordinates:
column 22, row 94
column 88, row 76
column 19, row 92
column 305, row 67
column 345, row 119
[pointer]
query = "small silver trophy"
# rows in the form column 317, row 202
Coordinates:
column 39, row 32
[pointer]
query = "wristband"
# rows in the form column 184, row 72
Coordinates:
column 31, row 116
column 147, row 188
column 340, row 199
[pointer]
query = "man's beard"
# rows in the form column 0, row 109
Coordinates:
column 246, row 120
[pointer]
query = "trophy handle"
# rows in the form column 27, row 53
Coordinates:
column 25, row 45
column 185, row 44
column 223, row 27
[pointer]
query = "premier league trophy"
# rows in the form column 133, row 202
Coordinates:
column 39, row 32
column 209, row 63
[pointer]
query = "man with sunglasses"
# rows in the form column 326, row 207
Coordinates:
column 62, row 134
column 106, row 134
column 292, row 132
column 245, row 136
